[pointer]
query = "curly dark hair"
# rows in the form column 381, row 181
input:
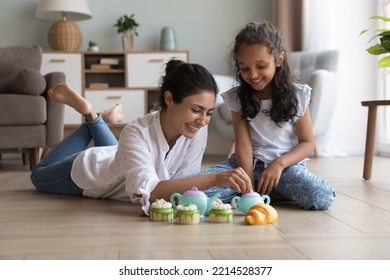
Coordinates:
column 284, row 99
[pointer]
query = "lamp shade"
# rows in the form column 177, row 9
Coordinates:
column 56, row 9
column 64, row 34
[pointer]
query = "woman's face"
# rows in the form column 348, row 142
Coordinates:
column 256, row 65
column 190, row 115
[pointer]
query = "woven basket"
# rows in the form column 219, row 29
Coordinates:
column 65, row 35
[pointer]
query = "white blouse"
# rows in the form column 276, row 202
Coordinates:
column 270, row 141
column 131, row 170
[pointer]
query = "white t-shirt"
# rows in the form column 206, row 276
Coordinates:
column 131, row 170
column 269, row 140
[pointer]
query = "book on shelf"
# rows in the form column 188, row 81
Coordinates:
column 100, row 66
column 98, row 86
column 109, row 61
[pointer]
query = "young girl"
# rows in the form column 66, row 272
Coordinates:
column 271, row 121
column 156, row 154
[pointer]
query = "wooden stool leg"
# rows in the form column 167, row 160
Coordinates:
column 370, row 142
column 24, row 158
column 35, row 157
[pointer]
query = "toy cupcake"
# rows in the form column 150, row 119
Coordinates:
column 161, row 211
column 187, row 214
column 221, row 212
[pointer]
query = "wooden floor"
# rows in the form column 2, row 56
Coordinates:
column 43, row 226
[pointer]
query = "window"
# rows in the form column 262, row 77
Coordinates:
column 383, row 116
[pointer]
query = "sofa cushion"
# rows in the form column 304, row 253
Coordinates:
column 14, row 59
column 17, row 109
column 23, row 136
column 29, row 81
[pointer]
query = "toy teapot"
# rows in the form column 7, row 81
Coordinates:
column 196, row 197
column 247, row 200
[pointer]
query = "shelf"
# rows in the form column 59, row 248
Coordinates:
column 114, row 77
column 109, row 88
column 111, row 71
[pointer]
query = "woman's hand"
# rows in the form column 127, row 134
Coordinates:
column 269, row 178
column 237, row 178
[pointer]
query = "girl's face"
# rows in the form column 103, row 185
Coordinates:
column 190, row 115
column 256, row 65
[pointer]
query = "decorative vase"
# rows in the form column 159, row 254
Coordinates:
column 127, row 42
column 168, row 39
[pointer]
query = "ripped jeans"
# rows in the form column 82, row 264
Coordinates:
column 296, row 184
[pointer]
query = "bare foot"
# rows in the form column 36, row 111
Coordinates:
column 63, row 93
column 113, row 115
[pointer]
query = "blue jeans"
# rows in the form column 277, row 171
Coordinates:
column 296, row 184
column 52, row 174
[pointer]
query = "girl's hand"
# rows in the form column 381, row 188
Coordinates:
column 269, row 178
column 237, row 178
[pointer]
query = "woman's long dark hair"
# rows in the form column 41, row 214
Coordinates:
column 185, row 79
column 284, row 100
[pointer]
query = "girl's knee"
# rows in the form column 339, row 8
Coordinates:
column 320, row 198
column 311, row 192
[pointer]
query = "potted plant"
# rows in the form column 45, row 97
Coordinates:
column 383, row 47
column 127, row 26
column 93, row 46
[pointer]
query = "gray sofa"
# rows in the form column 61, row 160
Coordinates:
column 317, row 69
column 29, row 120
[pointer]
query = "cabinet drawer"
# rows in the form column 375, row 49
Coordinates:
column 132, row 101
column 71, row 66
column 145, row 69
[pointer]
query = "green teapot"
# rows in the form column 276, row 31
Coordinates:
column 247, row 200
column 194, row 196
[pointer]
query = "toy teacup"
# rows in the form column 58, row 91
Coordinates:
column 247, row 200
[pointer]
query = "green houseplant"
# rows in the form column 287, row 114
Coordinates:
column 383, row 47
column 127, row 26
column 93, row 46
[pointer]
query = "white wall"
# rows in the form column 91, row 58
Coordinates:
column 205, row 28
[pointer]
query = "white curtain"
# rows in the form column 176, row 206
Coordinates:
column 317, row 25
column 383, row 137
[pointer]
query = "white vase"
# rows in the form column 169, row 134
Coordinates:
column 127, row 42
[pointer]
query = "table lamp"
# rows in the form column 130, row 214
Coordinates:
column 64, row 34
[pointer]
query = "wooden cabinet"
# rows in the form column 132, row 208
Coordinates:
column 71, row 65
column 145, row 69
column 108, row 78
column 103, row 99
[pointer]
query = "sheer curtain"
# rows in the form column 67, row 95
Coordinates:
column 384, row 91
column 317, row 25
column 304, row 24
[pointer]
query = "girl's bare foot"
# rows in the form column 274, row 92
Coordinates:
column 113, row 115
column 63, row 93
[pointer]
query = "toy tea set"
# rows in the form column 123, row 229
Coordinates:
column 194, row 205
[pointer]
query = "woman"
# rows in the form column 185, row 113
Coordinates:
column 157, row 154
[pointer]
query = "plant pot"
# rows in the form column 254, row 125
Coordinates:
column 127, row 42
